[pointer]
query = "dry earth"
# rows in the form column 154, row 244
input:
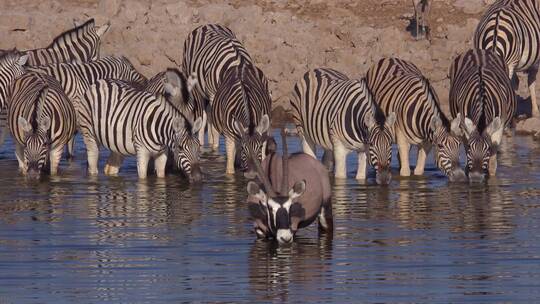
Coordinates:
column 285, row 38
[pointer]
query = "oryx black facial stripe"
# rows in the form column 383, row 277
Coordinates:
column 326, row 103
column 399, row 86
column 511, row 28
column 80, row 44
column 124, row 119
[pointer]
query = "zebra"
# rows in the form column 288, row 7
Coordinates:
column 76, row 77
column 42, row 121
column 399, row 86
column 81, row 44
column 129, row 121
column 481, row 92
column 218, row 59
column 339, row 114
column 511, row 28
column 12, row 66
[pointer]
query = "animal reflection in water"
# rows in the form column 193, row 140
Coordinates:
column 304, row 196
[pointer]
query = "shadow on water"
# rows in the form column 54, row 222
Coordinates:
column 73, row 238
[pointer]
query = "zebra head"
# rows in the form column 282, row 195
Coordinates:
column 480, row 147
column 88, row 32
column 186, row 147
column 252, row 143
column 380, row 146
column 11, row 66
column 36, row 145
column 447, row 143
column 275, row 212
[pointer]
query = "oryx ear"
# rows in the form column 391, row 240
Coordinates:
column 264, row 124
column 22, row 60
column 298, row 189
column 192, row 81
column 24, row 125
column 455, row 126
column 239, row 127
column 100, row 31
column 370, row 121
column 253, row 188
column 494, row 131
column 45, row 123
column 469, row 127
column 197, row 125
column 179, row 124
column 390, row 120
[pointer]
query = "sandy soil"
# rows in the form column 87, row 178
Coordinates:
column 285, row 38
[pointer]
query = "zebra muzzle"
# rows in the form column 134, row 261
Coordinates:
column 196, row 173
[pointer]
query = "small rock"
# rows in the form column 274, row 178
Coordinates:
column 528, row 126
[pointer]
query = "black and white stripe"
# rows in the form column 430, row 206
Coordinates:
column 399, row 86
column 129, row 121
column 481, row 91
column 231, row 87
column 42, row 121
column 511, row 28
column 340, row 115
column 81, row 44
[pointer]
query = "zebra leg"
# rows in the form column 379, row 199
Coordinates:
column 70, row 147
column 114, row 162
column 201, row 131
column 54, row 159
column 328, row 159
column 308, row 147
column 362, row 166
column 493, row 164
column 423, row 151
column 19, row 153
column 92, row 152
column 403, row 148
column 3, row 126
column 160, row 163
column 531, row 81
column 143, row 157
column 230, row 147
column 213, row 137
column 340, row 159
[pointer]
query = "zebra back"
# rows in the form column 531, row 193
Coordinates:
column 511, row 28
column 81, row 43
column 76, row 78
column 480, row 88
column 37, row 96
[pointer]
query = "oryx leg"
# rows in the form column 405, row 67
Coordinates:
column 92, row 153
column 423, row 151
column 403, row 148
column 159, row 164
column 340, row 159
column 230, row 147
column 143, row 157
column 326, row 219
column 531, row 82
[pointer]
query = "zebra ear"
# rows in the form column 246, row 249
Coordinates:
column 100, row 31
column 370, row 121
column 436, row 123
column 390, row 120
column 197, row 125
column 174, row 82
column 179, row 124
column 22, row 60
column 45, row 123
column 24, row 125
column 494, row 131
column 264, row 124
column 192, row 81
column 469, row 128
column 455, row 130
column 239, row 127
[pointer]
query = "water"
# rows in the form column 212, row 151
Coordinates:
column 75, row 239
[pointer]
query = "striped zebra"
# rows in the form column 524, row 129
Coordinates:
column 129, row 121
column 399, row 86
column 76, row 78
column 81, row 44
column 42, row 120
column 481, row 91
column 230, row 87
column 339, row 114
column 11, row 67
column 511, row 28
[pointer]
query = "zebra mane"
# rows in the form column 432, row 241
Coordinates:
column 83, row 27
